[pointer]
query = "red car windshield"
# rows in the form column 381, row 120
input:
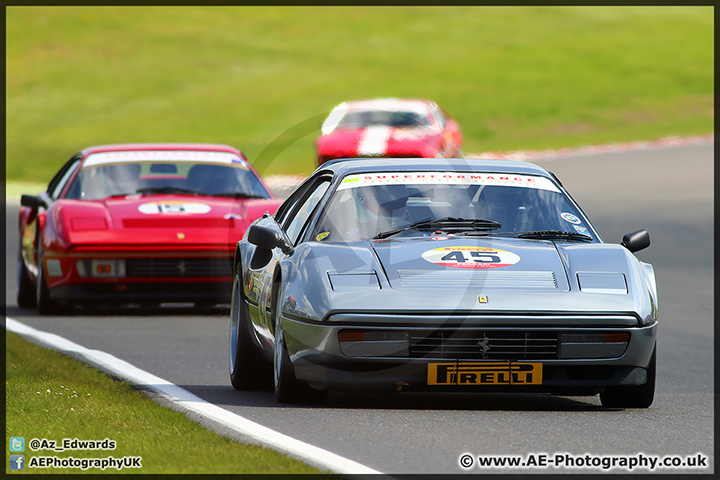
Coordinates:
column 398, row 119
column 103, row 180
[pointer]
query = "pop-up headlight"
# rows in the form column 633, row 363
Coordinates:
column 88, row 223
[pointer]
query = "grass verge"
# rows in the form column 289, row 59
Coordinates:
column 262, row 78
column 49, row 395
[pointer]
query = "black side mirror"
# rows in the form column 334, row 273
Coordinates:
column 32, row 201
column 268, row 239
column 636, row 241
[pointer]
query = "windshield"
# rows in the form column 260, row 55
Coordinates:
column 398, row 119
column 204, row 173
column 363, row 206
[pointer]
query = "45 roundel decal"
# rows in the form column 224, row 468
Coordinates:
column 470, row 257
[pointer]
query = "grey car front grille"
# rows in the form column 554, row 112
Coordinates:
column 484, row 345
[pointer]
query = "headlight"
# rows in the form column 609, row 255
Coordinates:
column 88, row 223
column 100, row 268
column 602, row 282
column 346, row 282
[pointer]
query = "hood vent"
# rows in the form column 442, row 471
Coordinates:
column 487, row 279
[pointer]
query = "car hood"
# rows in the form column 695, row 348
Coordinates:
column 458, row 275
column 153, row 220
column 481, row 263
column 373, row 141
column 171, row 212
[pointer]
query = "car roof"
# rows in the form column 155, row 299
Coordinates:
column 344, row 166
column 123, row 147
column 390, row 104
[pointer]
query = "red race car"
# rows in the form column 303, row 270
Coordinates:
column 138, row 223
column 389, row 127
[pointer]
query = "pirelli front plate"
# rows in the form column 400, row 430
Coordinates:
column 485, row 373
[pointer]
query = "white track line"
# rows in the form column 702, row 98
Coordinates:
column 185, row 400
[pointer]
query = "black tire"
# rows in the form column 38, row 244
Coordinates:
column 45, row 304
column 288, row 389
column 25, row 288
column 640, row 396
column 248, row 368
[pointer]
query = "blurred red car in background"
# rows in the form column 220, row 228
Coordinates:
column 389, row 127
column 138, row 223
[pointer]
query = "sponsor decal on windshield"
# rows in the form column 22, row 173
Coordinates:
column 106, row 158
column 173, row 207
column 471, row 257
column 569, row 217
column 447, row 178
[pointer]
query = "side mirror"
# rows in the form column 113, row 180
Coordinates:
column 268, row 239
column 32, row 201
column 636, row 241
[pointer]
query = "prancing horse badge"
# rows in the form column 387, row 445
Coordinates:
column 482, row 299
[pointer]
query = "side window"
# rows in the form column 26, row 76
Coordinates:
column 289, row 204
column 299, row 216
column 286, row 208
column 58, row 183
column 439, row 117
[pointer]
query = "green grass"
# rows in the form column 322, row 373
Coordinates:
column 49, row 395
column 262, row 78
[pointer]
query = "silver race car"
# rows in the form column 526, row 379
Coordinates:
column 440, row 275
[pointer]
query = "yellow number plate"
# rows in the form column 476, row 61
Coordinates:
column 485, row 373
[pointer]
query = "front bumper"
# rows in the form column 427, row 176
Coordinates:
column 142, row 277
column 155, row 292
column 318, row 359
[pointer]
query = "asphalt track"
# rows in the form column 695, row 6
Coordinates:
column 668, row 191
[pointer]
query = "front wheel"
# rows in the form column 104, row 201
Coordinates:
column 640, row 396
column 248, row 369
column 288, row 389
column 25, row 289
column 45, row 304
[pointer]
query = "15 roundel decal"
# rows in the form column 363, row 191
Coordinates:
column 471, row 257
column 173, row 206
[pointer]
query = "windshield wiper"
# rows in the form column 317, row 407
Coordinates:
column 556, row 234
column 446, row 223
column 167, row 190
column 236, row 195
column 115, row 195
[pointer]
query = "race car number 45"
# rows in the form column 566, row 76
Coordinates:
column 471, row 257
column 485, row 373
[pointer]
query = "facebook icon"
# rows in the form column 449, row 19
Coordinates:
column 17, row 462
